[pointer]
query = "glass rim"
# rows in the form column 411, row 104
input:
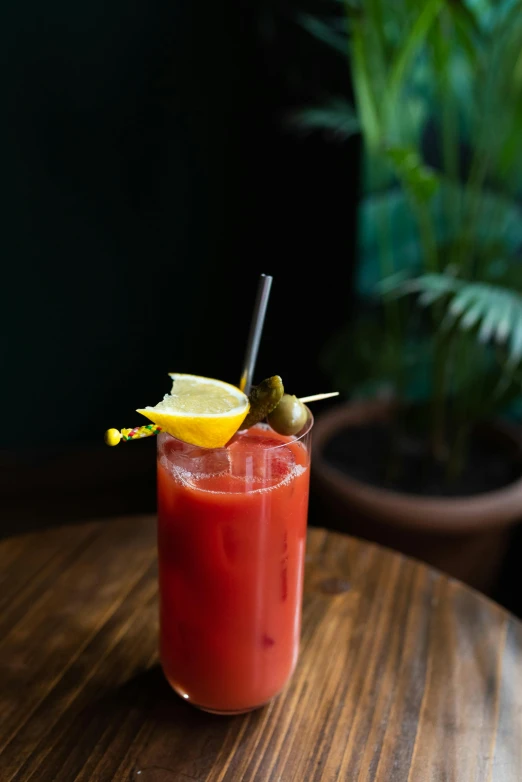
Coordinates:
column 292, row 438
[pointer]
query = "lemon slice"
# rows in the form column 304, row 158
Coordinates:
column 199, row 410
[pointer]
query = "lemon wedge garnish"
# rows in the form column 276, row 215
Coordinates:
column 199, row 410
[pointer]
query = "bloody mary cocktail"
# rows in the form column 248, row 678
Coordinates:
column 231, row 542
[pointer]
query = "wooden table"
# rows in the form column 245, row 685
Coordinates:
column 404, row 675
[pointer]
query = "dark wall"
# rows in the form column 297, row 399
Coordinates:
column 106, row 179
column 149, row 179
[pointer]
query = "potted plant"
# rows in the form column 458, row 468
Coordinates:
column 423, row 455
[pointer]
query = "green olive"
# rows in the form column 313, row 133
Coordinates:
column 289, row 416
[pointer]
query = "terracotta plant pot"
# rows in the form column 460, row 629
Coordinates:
column 465, row 537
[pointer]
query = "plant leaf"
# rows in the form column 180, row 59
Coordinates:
column 464, row 298
column 325, row 33
column 506, row 309
column 362, row 82
column 491, row 318
column 336, row 116
column 515, row 346
column 472, row 315
column 394, row 284
column 414, row 41
column 495, row 312
column 429, row 297
column 399, row 283
column 466, row 28
column 421, row 180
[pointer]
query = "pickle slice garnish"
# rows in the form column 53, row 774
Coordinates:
column 263, row 399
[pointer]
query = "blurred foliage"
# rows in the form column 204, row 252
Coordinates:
column 438, row 105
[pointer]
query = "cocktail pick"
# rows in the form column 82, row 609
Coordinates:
column 317, row 397
column 115, row 436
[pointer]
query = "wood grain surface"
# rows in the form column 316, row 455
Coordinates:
column 404, row 674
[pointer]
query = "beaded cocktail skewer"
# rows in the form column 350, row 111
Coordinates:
column 115, row 436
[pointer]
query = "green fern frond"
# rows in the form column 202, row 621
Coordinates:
column 430, row 285
column 492, row 312
column 324, row 31
column 336, row 117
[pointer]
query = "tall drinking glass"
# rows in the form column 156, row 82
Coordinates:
column 231, row 544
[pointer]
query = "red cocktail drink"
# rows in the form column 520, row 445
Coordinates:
column 231, row 543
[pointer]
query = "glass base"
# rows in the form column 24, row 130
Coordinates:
column 232, row 713
column 220, row 712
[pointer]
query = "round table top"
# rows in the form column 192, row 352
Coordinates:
column 404, row 675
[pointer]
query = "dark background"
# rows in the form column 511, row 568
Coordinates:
column 149, row 178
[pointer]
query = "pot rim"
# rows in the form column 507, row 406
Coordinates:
column 451, row 515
